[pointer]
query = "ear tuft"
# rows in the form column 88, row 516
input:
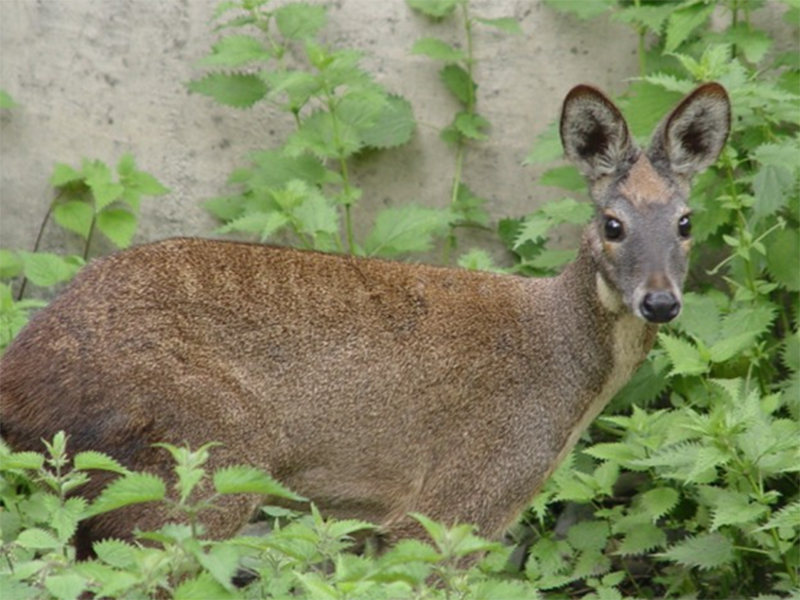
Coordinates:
column 694, row 133
column 593, row 132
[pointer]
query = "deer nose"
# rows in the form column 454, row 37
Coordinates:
column 660, row 307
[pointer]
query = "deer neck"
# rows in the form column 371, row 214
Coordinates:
column 598, row 342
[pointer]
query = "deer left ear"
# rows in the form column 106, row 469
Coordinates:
column 691, row 137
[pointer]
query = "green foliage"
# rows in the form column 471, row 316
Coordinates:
column 303, row 556
column 697, row 464
column 338, row 111
column 458, row 76
column 88, row 201
column 6, row 101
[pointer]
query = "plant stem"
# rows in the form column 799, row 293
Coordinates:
column 38, row 241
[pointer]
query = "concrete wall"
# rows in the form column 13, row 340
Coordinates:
column 99, row 78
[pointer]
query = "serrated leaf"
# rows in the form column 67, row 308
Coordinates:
column 64, row 174
column 436, row 9
column 299, row 21
column 472, row 126
column 75, row 216
column 235, row 51
column 533, row 229
column 405, row 229
column 589, row 535
column 134, row 488
column 64, row 519
column 32, row 461
column 222, row 563
column 273, row 170
column 782, row 263
column 37, row 539
column 652, row 17
column 786, row 518
column 507, row 24
column 116, row 553
column 392, row 127
column 641, row 539
column 615, row 451
column 264, row 224
column 10, row 264
column 456, row 79
column 249, row 480
column 67, row 586
column 45, row 269
column 686, row 359
column 118, row 225
column 91, row 460
column 202, row 587
column 566, row 177
column 683, row 21
column 99, row 179
column 659, row 501
column 705, row 551
column 568, row 210
column 437, row 50
column 231, row 89
column 729, row 507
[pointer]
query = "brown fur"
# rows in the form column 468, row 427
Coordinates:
column 374, row 388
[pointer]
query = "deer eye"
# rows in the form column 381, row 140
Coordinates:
column 685, row 226
column 613, row 229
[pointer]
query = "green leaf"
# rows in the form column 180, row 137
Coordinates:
column 6, row 101
column 547, row 147
column 534, row 228
column 781, row 258
column 618, row 452
column 730, row 507
column 264, row 224
column 568, row 210
column 231, row 89
column 32, row 461
column 566, row 177
column 652, row 17
column 134, row 488
column 643, row 538
column 581, row 8
column 249, row 480
column 221, row 562
column 507, row 24
column 91, row 460
column 659, row 501
column 472, row 125
column 75, row 216
column 299, row 21
column 68, row 586
column 393, row 126
column 456, row 79
column 686, row 359
column 589, row 535
column 45, row 269
column 405, row 229
column 99, row 179
column 64, row 174
column 235, row 51
column 37, row 539
column 683, row 21
column 118, row 225
column 786, row 518
column 116, row 553
column 437, row 50
column 10, row 264
column 436, row 9
column 705, row 551
column 202, row 587
column 273, row 170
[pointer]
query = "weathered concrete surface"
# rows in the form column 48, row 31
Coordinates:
column 99, row 78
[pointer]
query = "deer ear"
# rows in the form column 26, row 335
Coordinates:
column 691, row 137
column 593, row 132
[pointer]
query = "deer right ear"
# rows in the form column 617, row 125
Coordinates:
column 593, row 132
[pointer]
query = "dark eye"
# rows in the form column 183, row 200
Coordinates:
column 613, row 229
column 685, row 226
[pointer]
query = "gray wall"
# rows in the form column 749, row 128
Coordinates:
column 99, row 78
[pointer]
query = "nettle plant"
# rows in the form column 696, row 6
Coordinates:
column 689, row 485
column 88, row 201
column 274, row 56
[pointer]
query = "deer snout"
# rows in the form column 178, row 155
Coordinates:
column 660, row 307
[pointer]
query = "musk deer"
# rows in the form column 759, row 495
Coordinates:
column 374, row 388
